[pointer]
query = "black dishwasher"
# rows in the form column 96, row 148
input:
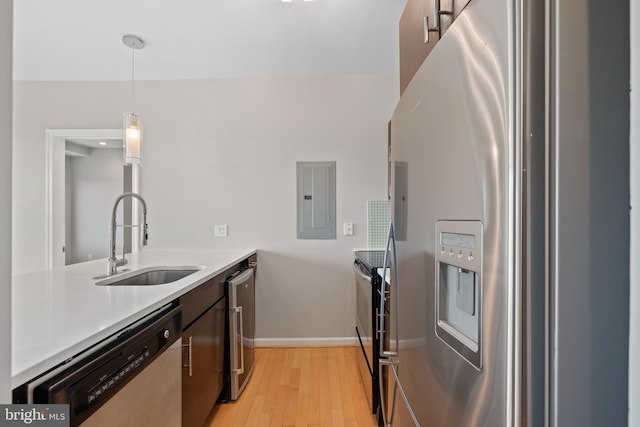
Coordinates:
column 89, row 380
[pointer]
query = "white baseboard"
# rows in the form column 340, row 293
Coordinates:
column 306, row 342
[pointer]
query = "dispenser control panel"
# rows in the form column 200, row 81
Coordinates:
column 459, row 249
column 458, row 253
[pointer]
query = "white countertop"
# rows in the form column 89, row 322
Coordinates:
column 60, row 312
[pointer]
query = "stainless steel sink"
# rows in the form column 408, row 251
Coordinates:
column 150, row 276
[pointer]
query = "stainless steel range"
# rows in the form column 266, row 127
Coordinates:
column 368, row 288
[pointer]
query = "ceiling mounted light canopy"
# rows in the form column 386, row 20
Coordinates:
column 132, row 122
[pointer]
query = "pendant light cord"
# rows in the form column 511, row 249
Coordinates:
column 133, row 76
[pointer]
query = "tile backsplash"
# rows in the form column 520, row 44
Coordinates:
column 378, row 218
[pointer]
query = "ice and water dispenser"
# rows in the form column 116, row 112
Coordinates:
column 459, row 287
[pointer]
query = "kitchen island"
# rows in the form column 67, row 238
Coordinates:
column 59, row 313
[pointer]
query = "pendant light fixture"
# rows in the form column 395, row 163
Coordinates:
column 132, row 122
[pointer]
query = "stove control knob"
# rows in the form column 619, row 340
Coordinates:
column 166, row 334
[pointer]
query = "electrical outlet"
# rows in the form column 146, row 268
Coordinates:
column 220, row 230
column 348, row 229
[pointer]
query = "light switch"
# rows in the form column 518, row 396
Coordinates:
column 348, row 229
column 220, row 230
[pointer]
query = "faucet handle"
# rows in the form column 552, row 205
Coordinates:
column 145, row 234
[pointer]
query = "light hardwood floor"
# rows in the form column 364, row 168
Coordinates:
column 299, row 387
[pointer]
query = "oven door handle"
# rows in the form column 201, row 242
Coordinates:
column 360, row 273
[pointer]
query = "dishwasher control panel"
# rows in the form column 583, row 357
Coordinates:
column 122, row 375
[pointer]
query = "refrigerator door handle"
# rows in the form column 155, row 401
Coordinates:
column 238, row 339
column 240, row 315
column 396, row 387
column 387, row 419
column 391, row 243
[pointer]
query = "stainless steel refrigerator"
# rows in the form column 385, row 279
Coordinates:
column 460, row 220
column 509, row 244
column 241, row 294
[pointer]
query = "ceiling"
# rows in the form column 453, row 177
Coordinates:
column 81, row 40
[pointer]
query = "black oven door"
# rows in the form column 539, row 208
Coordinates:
column 365, row 329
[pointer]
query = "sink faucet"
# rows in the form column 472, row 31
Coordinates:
column 113, row 262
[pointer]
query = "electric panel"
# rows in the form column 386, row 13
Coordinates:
column 316, row 205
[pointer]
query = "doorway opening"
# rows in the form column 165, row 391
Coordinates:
column 85, row 174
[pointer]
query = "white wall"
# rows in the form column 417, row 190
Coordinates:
column 224, row 152
column 6, row 37
column 93, row 184
column 634, row 339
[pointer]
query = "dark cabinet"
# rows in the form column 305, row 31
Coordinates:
column 415, row 40
column 205, row 351
column 422, row 24
column 458, row 6
column 203, row 365
column 203, row 337
column 418, row 36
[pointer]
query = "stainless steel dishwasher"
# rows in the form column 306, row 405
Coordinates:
column 132, row 379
